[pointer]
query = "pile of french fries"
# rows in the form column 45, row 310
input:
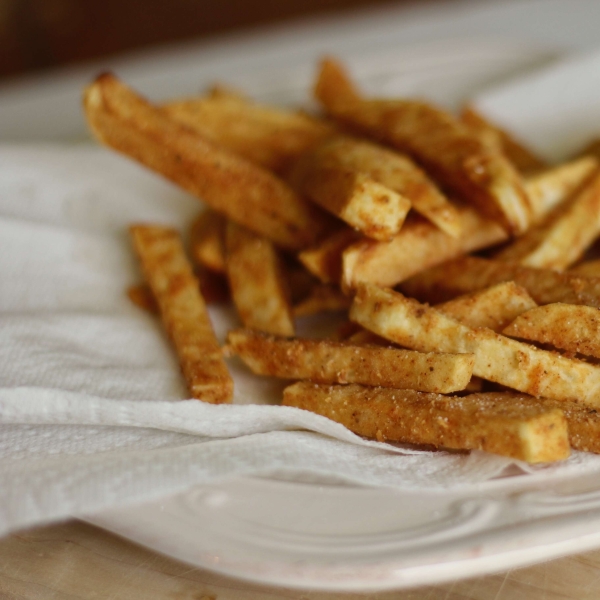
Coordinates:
column 375, row 208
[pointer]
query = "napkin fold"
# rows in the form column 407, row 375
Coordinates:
column 93, row 409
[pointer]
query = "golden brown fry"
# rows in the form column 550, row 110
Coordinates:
column 497, row 358
column 565, row 326
column 183, row 312
column 141, row 295
column 418, row 245
column 324, row 260
column 333, row 86
column 494, row 307
column 588, row 268
column 364, row 337
column 391, row 169
column 447, row 148
column 245, row 192
column 469, row 274
column 563, row 237
column 207, row 241
column 266, row 136
column 326, row 361
column 549, row 188
column 322, row 298
column 258, row 288
column 591, row 149
column 523, row 158
column 506, row 424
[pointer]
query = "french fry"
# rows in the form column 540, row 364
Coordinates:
column 563, row 237
column 183, row 312
column 245, row 192
column 470, row 273
column 497, row 358
column 264, row 135
column 505, row 424
column 588, row 268
column 333, row 86
column 207, row 244
column 258, row 288
column 391, row 169
column 326, row 361
column 324, row 260
column 322, row 298
column 445, row 146
column 141, row 295
column 417, row 246
column 565, row 326
column 494, row 307
column 523, row 158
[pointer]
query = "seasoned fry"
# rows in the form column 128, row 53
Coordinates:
column 549, row 188
column 497, row 358
column 183, row 312
column 391, row 169
column 520, row 156
column 469, row 274
column 141, row 295
column 336, row 362
column 565, row 326
column 324, row 260
column 494, row 307
column 446, row 147
column 207, row 241
column 264, row 135
column 322, row 298
column 506, row 424
column 245, row 192
column 333, row 86
column 563, row 237
column 588, row 268
column 258, row 288
column 417, row 246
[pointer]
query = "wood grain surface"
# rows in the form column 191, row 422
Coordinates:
column 75, row 561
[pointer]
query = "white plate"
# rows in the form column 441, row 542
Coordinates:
column 345, row 538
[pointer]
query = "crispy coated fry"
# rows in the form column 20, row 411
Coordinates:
column 259, row 290
column 141, row 295
column 207, row 241
column 264, row 135
column 418, row 245
column 494, row 307
column 393, row 170
column 565, row 326
column 336, row 362
column 324, row 260
column 519, row 155
column 588, row 268
column 333, row 86
column 563, row 237
column 497, row 358
column 505, row 424
column 183, row 312
column 445, row 146
column 322, row 298
column 549, row 188
column 469, row 274
column 232, row 185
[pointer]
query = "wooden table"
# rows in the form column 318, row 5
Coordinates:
column 74, row 561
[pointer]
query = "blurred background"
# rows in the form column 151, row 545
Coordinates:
column 40, row 34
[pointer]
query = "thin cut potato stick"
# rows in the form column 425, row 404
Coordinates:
column 333, row 86
column 565, row 326
column 470, row 273
column 417, row 246
column 141, row 295
column 447, row 148
column 494, row 307
column 207, row 244
column 506, row 424
column 549, row 188
column 322, row 298
column 258, row 288
column 588, row 268
column 391, row 169
column 267, row 136
column 520, row 156
column 497, row 358
column 232, row 185
column 563, row 237
column 183, row 312
column 326, row 361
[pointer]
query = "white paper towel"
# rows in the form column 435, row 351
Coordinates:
column 93, row 412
